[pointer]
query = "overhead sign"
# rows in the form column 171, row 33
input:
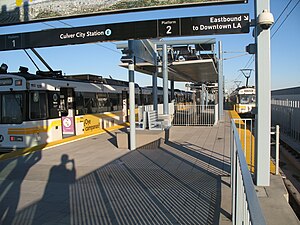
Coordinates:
column 205, row 25
column 222, row 24
column 20, row 11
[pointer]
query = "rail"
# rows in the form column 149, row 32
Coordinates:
column 245, row 205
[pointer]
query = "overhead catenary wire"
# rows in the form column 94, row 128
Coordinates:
column 31, row 59
column 251, row 60
column 285, row 18
column 237, row 56
column 281, row 13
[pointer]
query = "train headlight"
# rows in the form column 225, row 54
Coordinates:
column 18, row 82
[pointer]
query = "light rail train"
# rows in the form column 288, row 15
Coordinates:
column 244, row 99
column 47, row 107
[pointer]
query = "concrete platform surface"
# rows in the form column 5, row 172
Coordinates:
column 93, row 182
column 274, row 203
column 90, row 182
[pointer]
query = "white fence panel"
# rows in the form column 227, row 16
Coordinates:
column 286, row 114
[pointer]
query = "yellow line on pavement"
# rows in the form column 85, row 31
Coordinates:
column 53, row 144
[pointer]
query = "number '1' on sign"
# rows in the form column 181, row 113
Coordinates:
column 14, row 41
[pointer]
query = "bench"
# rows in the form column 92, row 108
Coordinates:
column 154, row 122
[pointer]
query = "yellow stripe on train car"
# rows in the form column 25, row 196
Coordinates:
column 34, row 130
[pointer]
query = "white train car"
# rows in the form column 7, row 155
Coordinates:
column 37, row 110
column 244, row 100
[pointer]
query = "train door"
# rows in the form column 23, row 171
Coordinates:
column 67, row 111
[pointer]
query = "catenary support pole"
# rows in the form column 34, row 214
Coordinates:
column 220, row 83
column 263, row 99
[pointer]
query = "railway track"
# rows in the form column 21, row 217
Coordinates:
column 290, row 171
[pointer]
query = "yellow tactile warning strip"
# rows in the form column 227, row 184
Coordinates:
column 248, row 141
column 25, row 151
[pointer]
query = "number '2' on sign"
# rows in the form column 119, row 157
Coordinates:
column 169, row 27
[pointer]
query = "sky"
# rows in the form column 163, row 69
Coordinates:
column 104, row 58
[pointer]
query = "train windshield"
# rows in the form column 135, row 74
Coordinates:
column 246, row 99
column 11, row 108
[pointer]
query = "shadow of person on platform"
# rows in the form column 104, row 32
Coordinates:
column 12, row 174
column 54, row 207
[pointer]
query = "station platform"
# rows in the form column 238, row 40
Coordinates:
column 185, row 180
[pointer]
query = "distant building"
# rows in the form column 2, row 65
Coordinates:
column 291, row 94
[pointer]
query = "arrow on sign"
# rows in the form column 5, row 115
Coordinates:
column 246, row 17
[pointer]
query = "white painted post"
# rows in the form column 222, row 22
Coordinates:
column 277, row 149
column 165, row 80
column 220, row 82
column 263, row 99
column 131, row 100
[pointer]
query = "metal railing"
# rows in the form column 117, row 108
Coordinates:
column 245, row 128
column 195, row 115
column 277, row 142
column 245, row 204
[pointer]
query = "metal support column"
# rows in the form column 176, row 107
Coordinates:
column 263, row 99
column 154, row 89
column 220, row 82
column 165, row 80
column 131, row 100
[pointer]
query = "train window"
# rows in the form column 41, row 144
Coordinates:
column 79, row 100
column 12, row 105
column 115, row 102
column 90, row 104
column 38, row 105
column 53, row 101
column 245, row 99
column 102, row 101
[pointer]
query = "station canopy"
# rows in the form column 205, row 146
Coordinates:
column 19, row 11
column 188, row 60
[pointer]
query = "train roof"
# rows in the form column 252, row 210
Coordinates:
column 27, row 76
column 57, row 75
column 244, row 87
column 111, row 81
